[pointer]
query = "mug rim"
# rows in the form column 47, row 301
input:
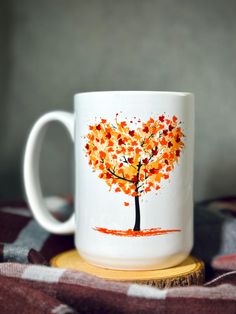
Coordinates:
column 175, row 93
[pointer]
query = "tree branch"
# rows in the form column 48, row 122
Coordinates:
column 125, row 160
column 138, row 187
column 137, row 182
column 119, row 177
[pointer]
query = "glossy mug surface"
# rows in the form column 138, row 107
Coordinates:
column 133, row 177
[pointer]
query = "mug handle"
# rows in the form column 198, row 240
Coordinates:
column 31, row 172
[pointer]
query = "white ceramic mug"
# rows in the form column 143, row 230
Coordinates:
column 133, row 173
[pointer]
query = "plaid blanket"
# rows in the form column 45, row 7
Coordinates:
column 29, row 285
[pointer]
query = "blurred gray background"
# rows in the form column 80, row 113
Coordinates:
column 50, row 50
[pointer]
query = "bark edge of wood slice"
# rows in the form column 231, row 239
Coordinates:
column 190, row 272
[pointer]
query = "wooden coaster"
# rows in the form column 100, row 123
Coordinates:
column 189, row 272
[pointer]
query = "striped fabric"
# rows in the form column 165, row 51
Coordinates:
column 29, row 285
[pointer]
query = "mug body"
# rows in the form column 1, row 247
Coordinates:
column 134, row 178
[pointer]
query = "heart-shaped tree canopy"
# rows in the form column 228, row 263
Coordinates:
column 134, row 156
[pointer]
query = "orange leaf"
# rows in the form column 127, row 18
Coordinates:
column 126, row 203
column 151, row 120
column 102, row 155
column 174, row 118
column 137, row 150
column 123, row 124
column 110, row 143
column 101, row 167
column 127, row 191
column 141, row 177
column 163, row 141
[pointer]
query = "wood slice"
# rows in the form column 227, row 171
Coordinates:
column 189, row 272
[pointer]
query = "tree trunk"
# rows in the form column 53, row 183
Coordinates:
column 137, row 214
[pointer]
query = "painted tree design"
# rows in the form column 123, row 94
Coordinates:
column 133, row 156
